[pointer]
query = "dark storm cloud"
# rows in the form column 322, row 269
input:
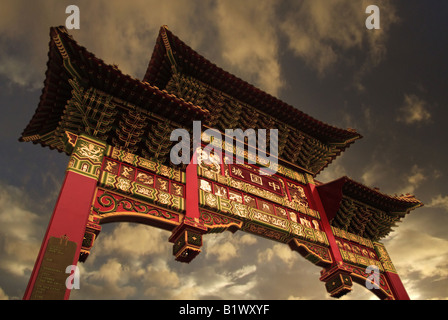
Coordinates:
column 390, row 84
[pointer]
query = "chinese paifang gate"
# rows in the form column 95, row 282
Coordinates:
column 116, row 131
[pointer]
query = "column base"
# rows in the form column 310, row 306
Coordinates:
column 338, row 281
column 187, row 240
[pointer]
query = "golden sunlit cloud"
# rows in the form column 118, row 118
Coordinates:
column 414, row 110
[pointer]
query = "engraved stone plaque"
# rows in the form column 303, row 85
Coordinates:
column 50, row 281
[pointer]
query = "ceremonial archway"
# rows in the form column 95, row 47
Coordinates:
column 130, row 188
column 117, row 132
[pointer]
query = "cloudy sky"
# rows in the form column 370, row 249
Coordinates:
column 317, row 55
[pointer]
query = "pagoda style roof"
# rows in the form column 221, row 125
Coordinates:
column 362, row 210
column 171, row 56
column 84, row 94
column 169, row 50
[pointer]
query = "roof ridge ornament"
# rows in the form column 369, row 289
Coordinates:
column 168, row 49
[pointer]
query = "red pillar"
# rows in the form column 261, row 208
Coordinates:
column 187, row 237
column 325, row 224
column 68, row 221
column 192, row 190
column 397, row 287
column 337, row 278
column 398, row 290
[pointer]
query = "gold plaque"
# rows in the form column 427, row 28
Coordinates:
column 50, row 281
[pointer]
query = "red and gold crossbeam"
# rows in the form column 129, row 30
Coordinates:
column 106, row 184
